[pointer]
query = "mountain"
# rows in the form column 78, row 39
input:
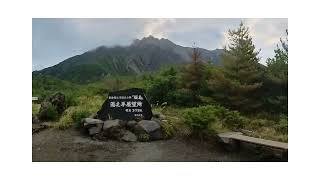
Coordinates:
column 147, row 54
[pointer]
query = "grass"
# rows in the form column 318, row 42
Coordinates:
column 86, row 107
column 260, row 128
column 35, row 108
column 86, row 100
column 174, row 124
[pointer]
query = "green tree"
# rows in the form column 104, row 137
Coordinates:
column 161, row 85
column 193, row 78
column 276, row 80
column 238, row 83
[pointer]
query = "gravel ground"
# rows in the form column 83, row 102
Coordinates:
column 70, row 145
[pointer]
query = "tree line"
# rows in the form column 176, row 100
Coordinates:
column 240, row 83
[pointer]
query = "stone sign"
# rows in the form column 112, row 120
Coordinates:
column 126, row 104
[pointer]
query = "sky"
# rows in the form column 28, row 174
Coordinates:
column 54, row 40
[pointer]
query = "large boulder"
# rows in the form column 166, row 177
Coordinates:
column 151, row 128
column 129, row 104
column 111, row 124
column 35, row 119
column 90, row 122
column 113, row 129
column 130, row 124
column 47, row 111
column 94, row 126
column 148, row 126
column 52, row 107
column 58, row 100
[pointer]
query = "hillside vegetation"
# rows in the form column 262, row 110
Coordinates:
column 198, row 98
column 145, row 55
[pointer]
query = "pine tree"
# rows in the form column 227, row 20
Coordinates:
column 276, row 80
column 193, row 75
column 237, row 84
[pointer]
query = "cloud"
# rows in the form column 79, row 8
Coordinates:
column 158, row 27
column 267, row 31
column 55, row 40
column 266, row 34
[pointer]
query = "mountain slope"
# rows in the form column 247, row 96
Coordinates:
column 147, row 54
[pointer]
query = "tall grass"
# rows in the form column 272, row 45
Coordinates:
column 86, row 107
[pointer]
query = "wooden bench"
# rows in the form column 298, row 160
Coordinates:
column 235, row 138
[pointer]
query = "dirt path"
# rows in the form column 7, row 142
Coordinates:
column 70, row 145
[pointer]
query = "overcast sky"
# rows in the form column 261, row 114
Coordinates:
column 55, row 40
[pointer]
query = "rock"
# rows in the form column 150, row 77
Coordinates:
column 152, row 128
column 58, row 100
column 94, row 126
column 112, row 129
column 38, row 127
column 47, row 111
column 148, row 126
column 129, row 137
column 156, row 120
column 90, row 122
column 131, row 124
column 111, row 124
column 95, row 130
column 52, row 107
column 156, row 135
column 35, row 119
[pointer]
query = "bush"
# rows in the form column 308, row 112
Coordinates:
column 71, row 100
column 35, row 108
column 85, row 107
column 201, row 117
column 180, row 97
column 162, row 84
column 282, row 126
column 66, row 120
column 78, row 115
column 72, row 115
column 232, row 119
column 50, row 113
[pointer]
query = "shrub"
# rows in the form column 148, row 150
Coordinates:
column 201, row 117
column 85, row 107
column 254, row 123
column 66, row 120
column 71, row 100
column 180, row 97
column 282, row 126
column 35, row 108
column 50, row 113
column 232, row 119
column 72, row 115
column 162, row 83
column 169, row 129
column 78, row 115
